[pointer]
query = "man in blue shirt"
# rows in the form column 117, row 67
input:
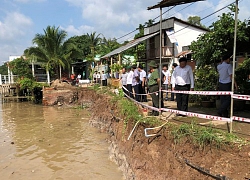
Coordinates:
column 225, row 70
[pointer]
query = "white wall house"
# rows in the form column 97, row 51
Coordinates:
column 177, row 35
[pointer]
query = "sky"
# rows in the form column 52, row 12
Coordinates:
column 21, row 20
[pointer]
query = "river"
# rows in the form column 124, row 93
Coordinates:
column 40, row 142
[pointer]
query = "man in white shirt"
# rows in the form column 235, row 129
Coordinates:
column 183, row 80
column 104, row 79
column 166, row 80
column 225, row 70
column 143, row 76
column 129, row 81
column 98, row 78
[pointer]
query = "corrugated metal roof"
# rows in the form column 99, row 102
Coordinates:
column 129, row 45
column 167, row 3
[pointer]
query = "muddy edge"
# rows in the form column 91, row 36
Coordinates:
column 153, row 158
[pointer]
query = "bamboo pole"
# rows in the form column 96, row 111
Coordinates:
column 234, row 57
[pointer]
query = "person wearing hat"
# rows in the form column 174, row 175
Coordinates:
column 153, row 84
column 182, row 80
column 173, row 68
column 225, row 70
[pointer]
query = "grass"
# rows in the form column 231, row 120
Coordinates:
column 204, row 136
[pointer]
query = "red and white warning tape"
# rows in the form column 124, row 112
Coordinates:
column 201, row 92
column 239, row 96
column 192, row 114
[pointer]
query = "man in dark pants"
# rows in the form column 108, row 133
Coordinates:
column 183, row 80
column 225, row 70
column 153, row 84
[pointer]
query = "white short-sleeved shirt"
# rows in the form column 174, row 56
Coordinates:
column 143, row 74
column 167, row 74
column 98, row 76
column 136, row 74
column 130, row 77
column 124, row 78
column 183, row 76
column 104, row 76
column 225, row 70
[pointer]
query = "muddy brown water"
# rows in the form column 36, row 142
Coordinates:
column 39, row 142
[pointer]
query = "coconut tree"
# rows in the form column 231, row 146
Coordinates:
column 52, row 49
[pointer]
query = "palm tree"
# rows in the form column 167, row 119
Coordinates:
column 94, row 43
column 52, row 49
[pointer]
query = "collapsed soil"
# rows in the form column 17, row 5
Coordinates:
column 160, row 157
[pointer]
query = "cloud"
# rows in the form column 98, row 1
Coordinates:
column 72, row 30
column 14, row 25
column 14, row 31
column 114, row 18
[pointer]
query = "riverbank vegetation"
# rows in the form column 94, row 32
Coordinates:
column 200, row 136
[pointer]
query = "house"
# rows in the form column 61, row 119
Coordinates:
column 177, row 36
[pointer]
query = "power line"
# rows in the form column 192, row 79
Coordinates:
column 144, row 25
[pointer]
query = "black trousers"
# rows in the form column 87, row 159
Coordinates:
column 104, row 82
column 182, row 99
column 142, row 90
column 172, row 94
column 136, row 89
column 124, row 90
column 224, row 100
column 155, row 97
column 129, row 88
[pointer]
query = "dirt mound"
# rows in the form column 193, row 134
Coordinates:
column 58, row 84
column 160, row 157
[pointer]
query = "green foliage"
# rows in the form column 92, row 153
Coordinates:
column 210, row 47
column 21, row 67
column 195, row 20
column 243, row 78
column 4, row 69
column 116, row 67
column 27, row 83
column 206, row 79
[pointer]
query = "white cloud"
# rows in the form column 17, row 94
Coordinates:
column 115, row 18
column 14, row 30
column 72, row 30
column 14, row 25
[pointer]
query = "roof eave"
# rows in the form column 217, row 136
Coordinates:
column 168, row 3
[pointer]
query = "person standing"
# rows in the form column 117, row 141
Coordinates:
column 98, row 78
column 143, row 76
column 173, row 68
column 153, row 84
column 225, row 70
column 183, row 80
column 104, row 79
column 135, row 82
column 123, row 80
column 94, row 76
column 129, row 82
column 166, row 81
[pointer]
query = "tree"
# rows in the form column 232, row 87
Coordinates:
column 210, row 47
column 52, row 49
column 195, row 20
column 20, row 67
column 4, row 69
